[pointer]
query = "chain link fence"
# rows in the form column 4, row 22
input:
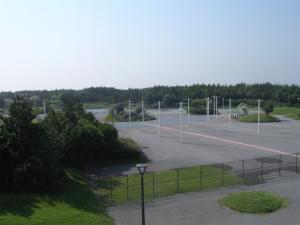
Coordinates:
column 205, row 177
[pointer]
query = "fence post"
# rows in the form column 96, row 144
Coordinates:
column 279, row 166
column 200, row 172
column 243, row 176
column 153, row 191
column 111, row 188
column 177, row 173
column 262, row 170
column 222, row 166
column 297, row 154
column 127, row 186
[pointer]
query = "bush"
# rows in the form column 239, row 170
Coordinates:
column 268, row 107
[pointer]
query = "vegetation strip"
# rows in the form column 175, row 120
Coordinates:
column 254, row 202
column 252, row 118
column 168, row 182
column 76, row 205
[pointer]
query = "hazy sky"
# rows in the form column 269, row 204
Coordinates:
column 48, row 44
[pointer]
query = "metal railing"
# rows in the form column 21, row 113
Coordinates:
column 204, row 177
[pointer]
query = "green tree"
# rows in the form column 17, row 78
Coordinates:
column 25, row 150
column 2, row 103
column 119, row 108
column 268, row 107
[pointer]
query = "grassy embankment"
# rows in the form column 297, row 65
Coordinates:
column 290, row 112
column 254, row 202
column 252, row 118
column 75, row 206
column 80, row 206
column 165, row 183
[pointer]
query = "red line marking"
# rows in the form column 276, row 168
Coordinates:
column 225, row 140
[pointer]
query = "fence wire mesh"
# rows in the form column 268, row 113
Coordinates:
column 205, row 177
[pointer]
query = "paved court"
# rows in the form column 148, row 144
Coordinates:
column 203, row 208
column 207, row 144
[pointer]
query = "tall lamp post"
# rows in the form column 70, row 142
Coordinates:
column 142, row 169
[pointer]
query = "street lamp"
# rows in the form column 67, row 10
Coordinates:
column 142, row 169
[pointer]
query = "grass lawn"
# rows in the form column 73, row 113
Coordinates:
column 165, row 183
column 79, row 206
column 252, row 118
column 290, row 112
column 76, row 206
column 254, row 202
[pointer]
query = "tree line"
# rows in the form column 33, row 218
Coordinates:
column 34, row 152
column 171, row 95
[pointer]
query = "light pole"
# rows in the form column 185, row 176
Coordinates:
column 207, row 109
column 223, row 109
column 258, row 117
column 159, row 118
column 229, row 116
column 142, row 169
column 180, row 121
column 188, row 111
column 129, row 113
column 143, row 116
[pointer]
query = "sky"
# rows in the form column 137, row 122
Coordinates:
column 53, row 44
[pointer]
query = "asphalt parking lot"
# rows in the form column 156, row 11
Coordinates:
column 203, row 208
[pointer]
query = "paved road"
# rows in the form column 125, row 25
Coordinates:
column 217, row 145
column 203, row 208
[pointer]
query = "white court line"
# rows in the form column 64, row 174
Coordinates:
column 225, row 140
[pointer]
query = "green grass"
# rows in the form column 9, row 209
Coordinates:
column 165, row 183
column 252, row 118
column 290, row 112
column 254, row 202
column 97, row 105
column 76, row 206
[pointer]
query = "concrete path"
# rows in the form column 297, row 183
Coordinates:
column 203, row 208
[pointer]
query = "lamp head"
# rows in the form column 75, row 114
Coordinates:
column 142, row 168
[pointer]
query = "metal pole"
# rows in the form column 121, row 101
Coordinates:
column 229, row 117
column 129, row 113
column 159, row 118
column 223, row 106
column 142, row 196
column 180, row 118
column 214, row 102
column 200, row 177
column 177, row 179
column 153, row 184
column 262, row 170
column 143, row 116
column 127, row 181
column 207, row 110
column 188, row 112
column 216, row 106
column 258, row 117
column 222, row 173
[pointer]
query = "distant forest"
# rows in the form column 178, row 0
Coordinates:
column 170, row 95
